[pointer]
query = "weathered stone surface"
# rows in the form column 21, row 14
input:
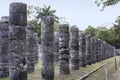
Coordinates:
column 4, row 50
column 18, row 19
column 96, row 50
column 99, row 50
column 36, row 57
column 74, row 48
column 88, row 50
column 17, row 46
column 82, row 49
column 4, row 40
column 17, row 14
column 3, row 26
column 47, row 48
column 64, row 49
column 17, row 42
column 4, row 19
column 31, row 48
column 93, row 49
column 17, row 32
column 56, row 47
column 17, row 7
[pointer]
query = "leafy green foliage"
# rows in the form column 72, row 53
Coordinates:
column 106, row 3
column 104, row 34
column 111, row 36
column 47, row 11
column 116, row 32
column 90, row 30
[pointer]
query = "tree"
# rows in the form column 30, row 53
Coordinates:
column 116, row 31
column 90, row 30
column 46, row 11
column 104, row 34
column 106, row 3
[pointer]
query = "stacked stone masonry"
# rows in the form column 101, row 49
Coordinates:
column 64, row 49
column 82, row 49
column 36, row 56
column 4, row 52
column 56, row 48
column 47, row 43
column 17, row 41
column 31, row 48
column 88, row 50
column 74, row 48
column 92, row 50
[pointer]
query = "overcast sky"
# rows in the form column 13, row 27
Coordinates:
column 77, row 12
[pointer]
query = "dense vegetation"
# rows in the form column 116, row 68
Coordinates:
column 112, row 35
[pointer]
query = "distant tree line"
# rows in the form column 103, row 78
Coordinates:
column 112, row 35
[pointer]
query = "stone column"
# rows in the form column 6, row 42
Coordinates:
column 93, row 49
column 96, row 50
column 36, row 47
column 74, row 48
column 106, row 50
column 82, row 49
column 30, row 41
column 64, row 49
column 103, row 50
column 56, row 47
column 4, row 53
column 99, row 50
column 47, row 46
column 88, row 50
column 17, row 41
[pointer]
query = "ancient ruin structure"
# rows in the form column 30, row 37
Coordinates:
column 92, row 50
column 74, row 48
column 88, row 50
column 82, row 49
column 47, row 47
column 36, row 56
column 17, row 41
column 56, row 47
column 31, row 48
column 4, row 50
column 64, row 49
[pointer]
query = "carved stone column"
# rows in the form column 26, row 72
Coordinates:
column 64, row 49
column 74, row 48
column 17, row 41
column 82, row 49
column 47, row 47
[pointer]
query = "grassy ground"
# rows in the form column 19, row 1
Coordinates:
column 99, row 75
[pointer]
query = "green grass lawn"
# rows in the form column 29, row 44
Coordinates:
column 99, row 75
